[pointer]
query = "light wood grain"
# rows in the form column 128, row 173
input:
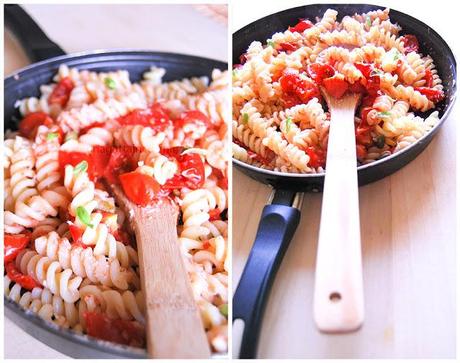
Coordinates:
column 174, row 326
column 338, row 304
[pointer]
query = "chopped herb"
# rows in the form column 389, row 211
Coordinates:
column 81, row 167
column 110, row 83
column 224, row 309
column 234, row 73
column 72, row 135
column 396, row 55
column 384, row 114
column 271, row 43
column 84, row 216
column 368, row 22
column 379, row 141
column 288, row 124
column 51, row 136
column 245, row 118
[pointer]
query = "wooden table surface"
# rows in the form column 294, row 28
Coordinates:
column 408, row 230
column 79, row 28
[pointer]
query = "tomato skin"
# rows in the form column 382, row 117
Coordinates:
column 29, row 125
column 297, row 90
column 363, row 135
column 361, row 152
column 288, row 47
column 317, row 157
column 319, row 71
column 214, row 214
column 13, row 244
column 118, row 331
column 428, row 78
column 193, row 118
column 335, row 86
column 89, row 127
column 410, row 43
column 61, row 93
column 140, row 189
column 364, row 112
column 27, row 282
column 76, row 233
column 155, row 117
column 432, row 94
column 302, row 25
column 223, row 182
column 74, row 158
column 191, row 170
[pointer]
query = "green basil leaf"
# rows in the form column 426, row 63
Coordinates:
column 234, row 73
column 51, row 136
column 384, row 114
column 271, row 43
column 110, row 83
column 288, row 124
column 224, row 309
column 245, row 118
column 84, row 216
column 368, row 22
column 81, row 167
column 396, row 55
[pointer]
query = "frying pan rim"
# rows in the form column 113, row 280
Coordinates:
column 105, row 52
column 375, row 163
column 15, row 308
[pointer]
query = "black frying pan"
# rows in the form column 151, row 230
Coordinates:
column 25, row 83
column 281, row 217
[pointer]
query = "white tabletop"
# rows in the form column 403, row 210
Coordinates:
column 76, row 28
column 408, row 243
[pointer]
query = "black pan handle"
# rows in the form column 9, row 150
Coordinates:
column 35, row 42
column 277, row 226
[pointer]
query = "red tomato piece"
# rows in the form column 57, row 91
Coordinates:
column 288, row 47
column 73, row 158
column 317, row 157
column 223, row 182
column 361, row 152
column 335, row 86
column 123, row 236
column 118, row 331
column 368, row 101
column 297, row 90
column 191, row 170
column 214, row 214
column 428, row 78
column 410, row 43
column 243, row 58
column 140, row 188
column 319, row 71
column 29, row 125
column 13, row 244
column 302, row 25
column 364, row 112
column 434, row 95
column 61, row 93
column 356, row 88
column 155, row 117
column 365, row 68
column 27, row 282
column 193, row 118
column 363, row 134
column 76, row 233
column 89, row 127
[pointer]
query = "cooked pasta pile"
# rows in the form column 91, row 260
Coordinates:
column 279, row 118
column 70, row 255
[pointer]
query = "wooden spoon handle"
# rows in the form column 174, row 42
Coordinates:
column 174, row 326
column 338, row 299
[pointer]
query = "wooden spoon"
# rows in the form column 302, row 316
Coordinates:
column 338, row 299
column 174, row 326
